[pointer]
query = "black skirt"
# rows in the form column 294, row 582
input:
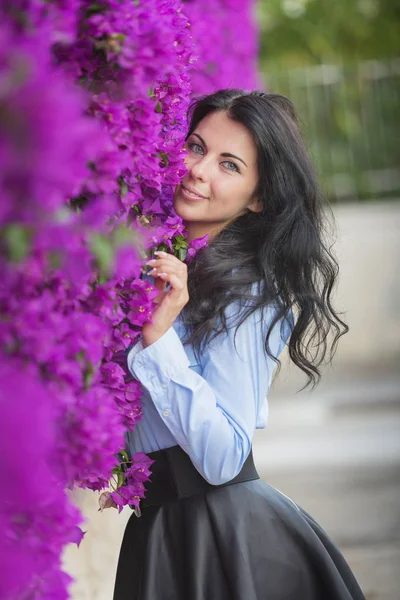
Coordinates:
column 240, row 541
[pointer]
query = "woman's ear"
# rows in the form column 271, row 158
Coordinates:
column 255, row 205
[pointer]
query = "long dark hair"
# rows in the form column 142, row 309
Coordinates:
column 283, row 247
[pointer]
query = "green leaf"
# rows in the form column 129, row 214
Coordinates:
column 123, row 188
column 18, row 241
column 124, row 454
column 80, row 356
column 102, row 250
column 164, row 158
column 180, row 243
column 136, row 209
column 88, row 375
column 159, row 108
column 122, row 235
column 93, row 9
column 119, row 36
column 163, row 247
column 182, row 253
column 55, row 260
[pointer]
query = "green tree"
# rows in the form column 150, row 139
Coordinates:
column 339, row 62
column 300, row 32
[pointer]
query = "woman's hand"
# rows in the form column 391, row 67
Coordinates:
column 166, row 269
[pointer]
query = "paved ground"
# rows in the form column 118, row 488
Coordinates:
column 340, row 460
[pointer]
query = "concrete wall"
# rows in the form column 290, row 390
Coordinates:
column 93, row 564
column 369, row 292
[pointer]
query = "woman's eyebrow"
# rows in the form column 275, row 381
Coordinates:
column 227, row 155
column 224, row 154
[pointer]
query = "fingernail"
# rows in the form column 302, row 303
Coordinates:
column 160, row 252
column 152, row 261
column 152, row 271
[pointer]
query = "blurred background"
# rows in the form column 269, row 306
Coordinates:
column 335, row 450
column 340, row 64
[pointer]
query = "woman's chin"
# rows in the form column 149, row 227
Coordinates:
column 183, row 208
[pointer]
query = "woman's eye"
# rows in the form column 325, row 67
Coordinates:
column 231, row 166
column 195, row 147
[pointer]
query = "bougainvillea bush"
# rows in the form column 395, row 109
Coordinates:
column 93, row 102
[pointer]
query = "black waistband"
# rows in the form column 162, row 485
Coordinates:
column 174, row 477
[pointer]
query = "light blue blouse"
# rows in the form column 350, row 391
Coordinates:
column 209, row 407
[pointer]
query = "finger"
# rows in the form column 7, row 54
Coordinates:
column 162, row 253
column 176, row 283
column 165, row 268
column 161, row 286
column 161, row 263
column 169, row 257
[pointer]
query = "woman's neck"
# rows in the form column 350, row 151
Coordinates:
column 199, row 230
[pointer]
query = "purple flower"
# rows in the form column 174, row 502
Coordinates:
column 35, row 515
column 195, row 245
column 94, row 106
column 106, row 501
column 47, row 142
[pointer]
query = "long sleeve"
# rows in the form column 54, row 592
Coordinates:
column 212, row 416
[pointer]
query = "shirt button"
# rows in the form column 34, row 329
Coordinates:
column 166, row 413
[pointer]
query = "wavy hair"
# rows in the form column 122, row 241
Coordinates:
column 284, row 247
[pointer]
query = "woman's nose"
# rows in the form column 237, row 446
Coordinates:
column 200, row 168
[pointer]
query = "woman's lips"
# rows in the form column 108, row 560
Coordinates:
column 191, row 195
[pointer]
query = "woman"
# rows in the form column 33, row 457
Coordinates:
column 209, row 528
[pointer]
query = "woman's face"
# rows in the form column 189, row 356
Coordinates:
column 221, row 178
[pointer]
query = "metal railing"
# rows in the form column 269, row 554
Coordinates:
column 350, row 117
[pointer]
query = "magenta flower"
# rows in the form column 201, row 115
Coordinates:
column 94, row 105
